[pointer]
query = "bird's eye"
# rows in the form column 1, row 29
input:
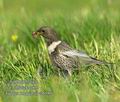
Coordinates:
column 42, row 31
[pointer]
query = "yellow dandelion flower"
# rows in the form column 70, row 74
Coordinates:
column 14, row 37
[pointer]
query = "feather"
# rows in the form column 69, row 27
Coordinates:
column 82, row 57
column 74, row 53
column 52, row 47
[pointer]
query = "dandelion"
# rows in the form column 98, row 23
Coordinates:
column 14, row 37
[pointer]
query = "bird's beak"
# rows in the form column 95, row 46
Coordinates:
column 35, row 34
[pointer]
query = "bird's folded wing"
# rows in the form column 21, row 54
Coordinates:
column 82, row 56
column 74, row 53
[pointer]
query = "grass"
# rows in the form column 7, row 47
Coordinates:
column 89, row 26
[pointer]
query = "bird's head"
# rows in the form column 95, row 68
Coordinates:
column 47, row 32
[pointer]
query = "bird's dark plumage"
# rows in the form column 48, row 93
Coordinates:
column 61, row 54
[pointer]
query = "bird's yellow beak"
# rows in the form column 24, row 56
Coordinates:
column 35, row 34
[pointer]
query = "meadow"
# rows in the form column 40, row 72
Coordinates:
column 92, row 26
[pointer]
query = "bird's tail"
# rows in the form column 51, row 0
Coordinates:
column 99, row 62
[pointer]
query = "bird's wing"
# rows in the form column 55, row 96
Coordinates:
column 83, row 57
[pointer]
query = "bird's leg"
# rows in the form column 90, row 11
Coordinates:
column 65, row 73
column 69, row 72
column 58, row 70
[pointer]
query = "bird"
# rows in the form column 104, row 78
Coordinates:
column 62, row 56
